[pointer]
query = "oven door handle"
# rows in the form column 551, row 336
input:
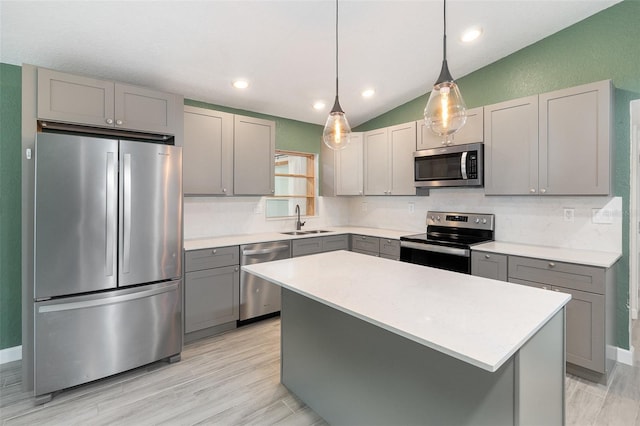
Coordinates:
column 436, row 248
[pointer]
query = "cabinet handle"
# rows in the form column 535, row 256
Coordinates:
column 551, row 264
column 224, row 190
column 532, row 190
column 359, row 192
column 388, row 241
column 235, row 269
column 214, row 251
column 543, row 190
column 109, row 121
column 119, row 122
column 487, row 256
column 556, row 289
column 544, row 287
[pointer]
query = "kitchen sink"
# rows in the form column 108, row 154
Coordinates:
column 295, row 233
column 317, row 231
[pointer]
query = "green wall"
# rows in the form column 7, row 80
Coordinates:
column 604, row 46
column 10, row 202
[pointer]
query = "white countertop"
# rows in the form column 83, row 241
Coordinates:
column 582, row 257
column 477, row 320
column 234, row 240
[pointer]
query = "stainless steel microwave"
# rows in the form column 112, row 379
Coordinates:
column 455, row 165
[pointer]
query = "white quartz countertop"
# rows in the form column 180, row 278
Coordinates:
column 234, row 240
column 582, row 257
column 477, row 320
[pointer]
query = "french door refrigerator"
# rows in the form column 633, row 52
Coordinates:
column 108, row 258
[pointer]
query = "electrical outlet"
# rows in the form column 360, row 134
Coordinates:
column 412, row 207
column 569, row 214
column 603, row 216
column 364, row 207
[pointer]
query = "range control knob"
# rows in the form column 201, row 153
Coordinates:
column 438, row 218
column 477, row 220
column 484, row 220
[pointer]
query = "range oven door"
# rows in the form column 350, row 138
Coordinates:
column 442, row 257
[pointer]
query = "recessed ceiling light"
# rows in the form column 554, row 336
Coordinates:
column 240, row 84
column 368, row 93
column 319, row 106
column 471, row 34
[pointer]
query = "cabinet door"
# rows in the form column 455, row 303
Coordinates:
column 197, row 260
column 142, row 109
column 75, row 99
column 472, row 131
column 349, row 167
column 489, row 265
column 335, row 242
column 585, row 319
column 402, row 139
column 376, row 162
column 575, row 140
column 511, row 147
column 254, row 148
column 306, row 246
column 212, row 297
column 207, row 152
column 390, row 248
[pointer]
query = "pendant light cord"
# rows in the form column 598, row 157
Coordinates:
column 444, row 36
column 336, row 48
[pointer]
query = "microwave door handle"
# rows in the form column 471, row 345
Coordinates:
column 463, row 165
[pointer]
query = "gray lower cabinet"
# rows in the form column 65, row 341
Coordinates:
column 365, row 244
column 212, row 288
column 93, row 102
column 207, row 152
column 390, row 249
column 590, row 314
column 254, row 148
column 305, row 246
column 489, row 265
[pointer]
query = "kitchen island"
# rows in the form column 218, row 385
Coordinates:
column 367, row 340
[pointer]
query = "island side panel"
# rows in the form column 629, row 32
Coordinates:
column 353, row 372
column 540, row 376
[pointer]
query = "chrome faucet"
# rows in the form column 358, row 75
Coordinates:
column 298, row 223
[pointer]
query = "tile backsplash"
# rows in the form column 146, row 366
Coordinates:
column 530, row 220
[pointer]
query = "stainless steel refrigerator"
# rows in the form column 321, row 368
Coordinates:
column 108, row 258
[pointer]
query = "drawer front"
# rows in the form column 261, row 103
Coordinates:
column 335, row 242
column 364, row 243
column 548, row 272
column 306, row 246
column 390, row 248
column 197, row 260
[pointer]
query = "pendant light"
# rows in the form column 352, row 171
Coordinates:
column 445, row 112
column 337, row 131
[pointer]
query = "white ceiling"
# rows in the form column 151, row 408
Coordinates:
column 284, row 48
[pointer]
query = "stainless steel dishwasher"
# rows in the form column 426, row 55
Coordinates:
column 258, row 297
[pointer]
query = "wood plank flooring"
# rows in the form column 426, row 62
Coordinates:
column 234, row 379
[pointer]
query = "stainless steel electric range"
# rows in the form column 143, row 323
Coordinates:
column 448, row 240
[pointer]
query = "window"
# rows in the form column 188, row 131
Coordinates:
column 295, row 184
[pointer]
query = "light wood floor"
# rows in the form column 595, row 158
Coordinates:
column 233, row 379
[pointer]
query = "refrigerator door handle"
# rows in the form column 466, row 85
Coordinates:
column 107, row 300
column 126, row 219
column 112, row 211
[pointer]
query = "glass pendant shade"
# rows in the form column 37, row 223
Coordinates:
column 445, row 112
column 337, row 131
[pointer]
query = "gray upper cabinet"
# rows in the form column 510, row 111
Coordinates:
column 557, row 143
column 253, row 160
column 472, row 131
column 575, row 135
column 93, row 102
column 388, row 160
column 342, row 170
column 208, row 152
column 511, row 147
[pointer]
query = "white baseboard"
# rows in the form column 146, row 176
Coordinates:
column 625, row 356
column 10, row 354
